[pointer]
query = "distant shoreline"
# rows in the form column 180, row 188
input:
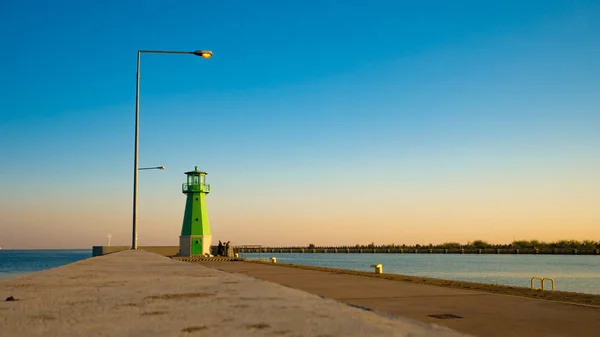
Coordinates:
column 421, row 250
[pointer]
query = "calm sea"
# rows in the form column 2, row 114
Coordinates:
column 18, row 262
column 570, row 272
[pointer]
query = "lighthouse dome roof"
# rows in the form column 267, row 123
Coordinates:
column 196, row 171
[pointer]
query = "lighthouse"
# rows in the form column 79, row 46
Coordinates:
column 195, row 236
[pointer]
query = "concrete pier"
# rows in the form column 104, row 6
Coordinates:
column 473, row 312
column 137, row 293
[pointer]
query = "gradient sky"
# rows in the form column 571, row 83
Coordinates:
column 325, row 122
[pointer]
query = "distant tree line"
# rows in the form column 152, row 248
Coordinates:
column 480, row 244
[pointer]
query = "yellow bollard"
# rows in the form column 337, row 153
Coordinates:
column 378, row 268
column 273, row 260
column 237, row 255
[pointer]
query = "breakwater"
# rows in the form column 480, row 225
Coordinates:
column 137, row 293
column 458, row 305
column 413, row 250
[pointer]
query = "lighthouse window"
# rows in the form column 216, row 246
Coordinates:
column 196, row 219
column 196, row 199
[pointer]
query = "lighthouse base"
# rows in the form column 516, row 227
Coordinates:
column 194, row 245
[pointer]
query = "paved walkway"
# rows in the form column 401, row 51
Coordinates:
column 136, row 293
column 482, row 314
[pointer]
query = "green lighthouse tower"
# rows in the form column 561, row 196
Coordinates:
column 195, row 236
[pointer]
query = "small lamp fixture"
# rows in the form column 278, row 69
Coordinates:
column 203, row 53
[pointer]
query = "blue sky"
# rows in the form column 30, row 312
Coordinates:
column 307, row 113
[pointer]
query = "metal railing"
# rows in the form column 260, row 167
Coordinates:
column 542, row 279
column 185, row 187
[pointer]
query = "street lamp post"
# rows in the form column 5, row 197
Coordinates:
column 162, row 168
column 202, row 53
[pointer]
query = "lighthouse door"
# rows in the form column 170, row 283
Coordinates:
column 196, row 246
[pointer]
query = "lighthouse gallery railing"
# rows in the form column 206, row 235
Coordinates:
column 195, row 187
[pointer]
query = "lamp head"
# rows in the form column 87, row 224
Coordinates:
column 203, row 53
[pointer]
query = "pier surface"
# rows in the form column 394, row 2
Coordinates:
column 137, row 293
column 481, row 313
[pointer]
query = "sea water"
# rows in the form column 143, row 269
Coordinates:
column 18, row 262
column 570, row 272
